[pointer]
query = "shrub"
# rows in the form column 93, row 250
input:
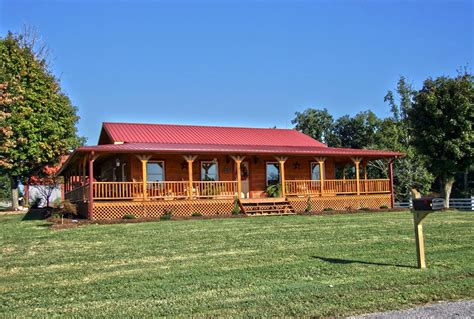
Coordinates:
column 383, row 207
column 236, row 208
column 128, row 216
column 196, row 214
column 274, row 190
column 57, row 203
column 167, row 214
column 68, row 208
column 309, row 206
column 328, row 209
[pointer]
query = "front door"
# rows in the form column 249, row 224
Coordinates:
column 245, row 178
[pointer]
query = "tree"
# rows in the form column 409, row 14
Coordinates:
column 315, row 123
column 410, row 171
column 441, row 122
column 41, row 118
column 359, row 131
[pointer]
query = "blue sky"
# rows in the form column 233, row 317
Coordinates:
column 241, row 63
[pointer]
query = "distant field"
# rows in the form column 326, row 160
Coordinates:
column 273, row 266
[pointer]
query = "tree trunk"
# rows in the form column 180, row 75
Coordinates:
column 26, row 195
column 447, row 187
column 14, row 185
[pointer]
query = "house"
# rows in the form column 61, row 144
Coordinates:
column 150, row 169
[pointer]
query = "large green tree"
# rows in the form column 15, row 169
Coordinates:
column 410, row 171
column 441, row 122
column 359, row 131
column 316, row 123
column 41, row 119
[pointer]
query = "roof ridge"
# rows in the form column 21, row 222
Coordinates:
column 196, row 125
column 257, row 145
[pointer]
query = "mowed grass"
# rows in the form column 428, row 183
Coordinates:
column 269, row 266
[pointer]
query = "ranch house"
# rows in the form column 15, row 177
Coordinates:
column 150, row 169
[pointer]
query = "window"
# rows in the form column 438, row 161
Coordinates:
column 315, row 173
column 209, row 171
column 155, row 171
column 273, row 173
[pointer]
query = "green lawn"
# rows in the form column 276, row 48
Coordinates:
column 273, row 266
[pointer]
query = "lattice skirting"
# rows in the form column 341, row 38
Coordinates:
column 154, row 209
column 318, row 203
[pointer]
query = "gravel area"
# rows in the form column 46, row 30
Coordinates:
column 457, row 309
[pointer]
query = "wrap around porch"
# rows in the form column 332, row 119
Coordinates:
column 167, row 180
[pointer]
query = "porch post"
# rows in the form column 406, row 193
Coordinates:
column 356, row 161
column 364, row 167
column 84, row 163
column 91, row 185
column 281, row 160
column 390, row 176
column 321, row 161
column 144, row 159
column 238, row 160
column 190, row 159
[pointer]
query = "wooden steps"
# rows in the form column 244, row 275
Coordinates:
column 266, row 206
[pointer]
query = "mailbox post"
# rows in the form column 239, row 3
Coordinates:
column 421, row 208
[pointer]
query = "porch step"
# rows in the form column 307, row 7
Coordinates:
column 266, row 206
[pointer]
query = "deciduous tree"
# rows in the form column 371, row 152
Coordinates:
column 316, row 123
column 441, row 122
column 41, row 117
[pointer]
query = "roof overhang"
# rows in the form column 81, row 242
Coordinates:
column 150, row 148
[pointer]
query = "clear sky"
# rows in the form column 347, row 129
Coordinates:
column 241, row 63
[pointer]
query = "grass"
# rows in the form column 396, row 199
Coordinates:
column 269, row 266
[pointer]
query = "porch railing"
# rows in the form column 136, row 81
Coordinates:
column 337, row 186
column 215, row 189
column 340, row 186
column 303, row 187
column 78, row 194
column 220, row 189
column 167, row 189
column 117, row 190
column 375, row 185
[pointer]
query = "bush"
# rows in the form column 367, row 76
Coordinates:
column 68, row 208
column 274, row 190
column 56, row 203
column 196, row 214
column 236, row 208
column 128, row 216
column 364, row 209
column 309, row 206
column 384, row 207
column 328, row 209
column 167, row 214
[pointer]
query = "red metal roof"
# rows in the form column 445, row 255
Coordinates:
column 211, row 135
column 190, row 139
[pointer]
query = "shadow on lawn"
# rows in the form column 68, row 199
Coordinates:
column 351, row 261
